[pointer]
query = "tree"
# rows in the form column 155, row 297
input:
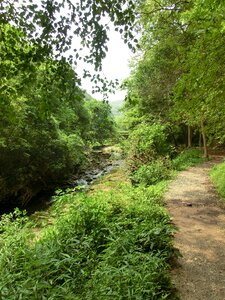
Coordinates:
column 150, row 88
column 40, row 146
column 53, row 24
column 44, row 123
column 179, row 78
column 102, row 125
column 199, row 92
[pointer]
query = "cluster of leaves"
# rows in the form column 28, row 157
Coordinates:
column 54, row 24
column 146, row 143
column 44, row 120
column 152, row 172
column 109, row 245
column 163, row 168
column 102, row 125
column 148, row 154
column 75, row 30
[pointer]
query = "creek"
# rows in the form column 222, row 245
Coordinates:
column 104, row 160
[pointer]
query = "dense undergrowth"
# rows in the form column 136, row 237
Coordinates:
column 110, row 245
column 218, row 177
column 187, row 158
column 152, row 157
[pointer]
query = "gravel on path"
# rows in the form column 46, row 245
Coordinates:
column 199, row 215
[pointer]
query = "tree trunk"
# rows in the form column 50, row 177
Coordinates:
column 189, row 137
column 204, row 140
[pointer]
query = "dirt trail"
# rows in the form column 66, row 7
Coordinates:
column 200, row 217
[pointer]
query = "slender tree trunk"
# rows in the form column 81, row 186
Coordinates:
column 189, row 137
column 204, row 139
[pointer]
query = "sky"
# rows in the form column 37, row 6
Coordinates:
column 115, row 66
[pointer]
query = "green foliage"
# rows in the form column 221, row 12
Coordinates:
column 45, row 124
column 179, row 75
column 53, row 26
column 218, row 178
column 199, row 92
column 148, row 154
column 146, row 143
column 187, row 158
column 162, row 168
column 39, row 146
column 108, row 245
column 152, row 173
column 102, row 125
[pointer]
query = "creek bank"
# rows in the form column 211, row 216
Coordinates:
column 103, row 160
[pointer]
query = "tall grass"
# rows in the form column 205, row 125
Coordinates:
column 111, row 245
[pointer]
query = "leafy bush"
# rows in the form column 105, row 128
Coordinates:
column 147, row 143
column 110, row 245
column 152, row 173
column 218, row 178
column 161, row 168
column 102, row 126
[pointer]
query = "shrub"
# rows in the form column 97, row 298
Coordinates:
column 110, row 245
column 147, row 143
column 152, row 173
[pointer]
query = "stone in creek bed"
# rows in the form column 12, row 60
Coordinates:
column 81, row 182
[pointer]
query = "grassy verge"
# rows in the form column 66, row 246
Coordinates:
column 187, row 158
column 218, row 178
column 111, row 244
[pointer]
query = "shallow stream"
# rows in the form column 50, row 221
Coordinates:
column 108, row 159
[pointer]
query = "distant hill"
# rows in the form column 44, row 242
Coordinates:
column 116, row 105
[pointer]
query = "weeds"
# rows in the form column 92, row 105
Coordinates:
column 152, row 173
column 111, row 245
column 163, row 168
column 187, row 158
